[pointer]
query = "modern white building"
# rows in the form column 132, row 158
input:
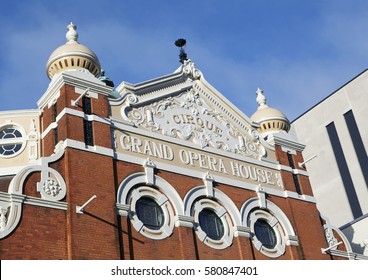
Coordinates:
column 336, row 137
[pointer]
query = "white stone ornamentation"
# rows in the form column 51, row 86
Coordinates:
column 189, row 69
column 331, row 240
column 188, row 117
column 3, row 220
column 51, row 187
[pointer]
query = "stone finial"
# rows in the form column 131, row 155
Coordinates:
column 72, row 34
column 261, row 99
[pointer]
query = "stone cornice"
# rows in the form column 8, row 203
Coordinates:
column 19, row 198
column 285, row 141
column 78, row 79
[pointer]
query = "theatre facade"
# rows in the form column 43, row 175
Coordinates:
column 163, row 169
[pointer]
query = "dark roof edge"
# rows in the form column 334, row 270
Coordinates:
column 330, row 95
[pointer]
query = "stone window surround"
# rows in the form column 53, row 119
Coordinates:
column 261, row 208
column 236, row 223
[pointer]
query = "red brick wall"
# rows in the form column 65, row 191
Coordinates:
column 70, row 126
column 92, row 235
column 287, row 176
column 41, row 235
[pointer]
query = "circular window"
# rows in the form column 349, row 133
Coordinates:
column 265, row 234
column 211, row 224
column 151, row 212
column 268, row 233
column 11, row 141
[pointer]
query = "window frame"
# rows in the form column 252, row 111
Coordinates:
column 262, row 228
column 279, row 248
column 227, row 239
column 21, row 141
column 207, row 213
column 162, row 201
column 149, row 202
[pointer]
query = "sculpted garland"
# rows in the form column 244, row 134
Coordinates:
column 186, row 116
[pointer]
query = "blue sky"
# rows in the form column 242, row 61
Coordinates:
column 298, row 52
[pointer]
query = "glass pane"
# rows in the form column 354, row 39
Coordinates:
column 17, row 148
column 149, row 213
column 265, row 234
column 7, row 150
column 8, row 133
column 17, row 134
column 211, row 224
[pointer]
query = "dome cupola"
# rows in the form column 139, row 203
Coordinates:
column 270, row 119
column 72, row 56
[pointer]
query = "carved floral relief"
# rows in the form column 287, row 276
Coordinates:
column 188, row 117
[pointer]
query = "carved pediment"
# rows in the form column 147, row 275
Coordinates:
column 187, row 115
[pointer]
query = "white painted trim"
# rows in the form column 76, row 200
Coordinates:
column 52, row 126
column 124, row 86
column 347, row 255
column 78, row 79
column 70, row 143
column 140, row 178
column 76, row 113
column 45, row 203
column 300, row 172
column 21, row 113
column 13, row 170
column 286, row 142
column 201, row 191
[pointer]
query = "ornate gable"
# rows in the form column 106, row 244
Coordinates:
column 184, row 106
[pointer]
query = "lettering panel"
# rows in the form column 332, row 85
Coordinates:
column 195, row 159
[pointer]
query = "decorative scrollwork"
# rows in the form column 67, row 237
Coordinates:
column 331, row 240
column 190, row 70
column 132, row 98
column 188, row 117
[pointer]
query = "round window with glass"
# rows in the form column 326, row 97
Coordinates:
column 268, row 233
column 265, row 233
column 213, row 224
column 151, row 212
column 11, row 141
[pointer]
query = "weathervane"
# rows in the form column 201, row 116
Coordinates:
column 181, row 43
